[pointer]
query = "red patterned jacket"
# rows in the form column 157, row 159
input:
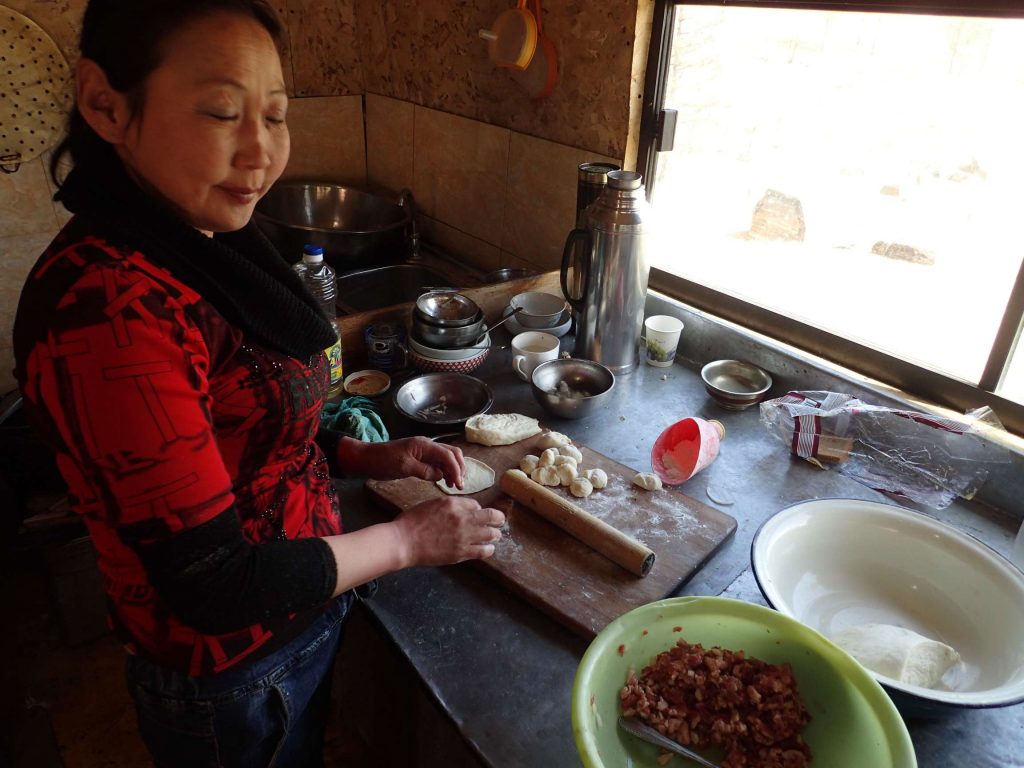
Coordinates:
column 163, row 415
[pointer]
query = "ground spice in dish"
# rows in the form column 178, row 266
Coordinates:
column 715, row 697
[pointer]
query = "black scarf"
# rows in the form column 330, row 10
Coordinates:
column 240, row 273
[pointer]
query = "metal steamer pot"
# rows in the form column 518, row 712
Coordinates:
column 446, row 319
column 355, row 228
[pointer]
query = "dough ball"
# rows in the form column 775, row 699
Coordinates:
column 478, row 477
column 597, row 477
column 545, row 476
column 566, row 473
column 553, row 440
column 571, row 450
column 529, row 463
column 581, row 488
column 560, row 460
column 648, row 481
column 547, row 458
column 899, row 653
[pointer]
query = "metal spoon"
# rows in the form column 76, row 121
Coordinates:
column 643, row 731
column 509, row 316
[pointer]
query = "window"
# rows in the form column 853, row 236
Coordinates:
column 849, row 181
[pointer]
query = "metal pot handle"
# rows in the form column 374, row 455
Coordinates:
column 582, row 265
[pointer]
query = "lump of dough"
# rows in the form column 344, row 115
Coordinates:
column 597, row 477
column 571, row 450
column 545, row 476
column 500, row 428
column 648, row 481
column 547, row 457
column 478, row 477
column 581, row 488
column 553, row 440
column 529, row 463
column 566, row 473
column 899, row 653
column 560, row 460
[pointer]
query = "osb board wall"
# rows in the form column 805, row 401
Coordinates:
column 429, row 52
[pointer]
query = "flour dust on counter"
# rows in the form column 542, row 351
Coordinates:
column 566, row 578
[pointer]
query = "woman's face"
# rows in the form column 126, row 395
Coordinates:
column 210, row 136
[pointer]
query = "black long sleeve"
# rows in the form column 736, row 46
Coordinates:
column 216, row 582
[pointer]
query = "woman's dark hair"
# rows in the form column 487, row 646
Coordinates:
column 125, row 38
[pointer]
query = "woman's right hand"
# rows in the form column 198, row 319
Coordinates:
column 448, row 530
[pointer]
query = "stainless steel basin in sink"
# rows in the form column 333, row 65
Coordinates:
column 383, row 286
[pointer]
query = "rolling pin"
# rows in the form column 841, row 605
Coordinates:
column 612, row 543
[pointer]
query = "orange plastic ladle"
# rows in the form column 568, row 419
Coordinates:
column 512, row 39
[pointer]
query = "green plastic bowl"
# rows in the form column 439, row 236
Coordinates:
column 853, row 724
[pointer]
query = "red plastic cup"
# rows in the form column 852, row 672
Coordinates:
column 685, row 448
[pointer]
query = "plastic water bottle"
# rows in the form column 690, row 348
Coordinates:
column 320, row 279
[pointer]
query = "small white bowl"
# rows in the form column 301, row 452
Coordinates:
column 539, row 309
column 837, row 563
column 562, row 328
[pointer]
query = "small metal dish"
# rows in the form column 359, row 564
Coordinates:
column 447, row 308
column 449, row 399
column 735, row 384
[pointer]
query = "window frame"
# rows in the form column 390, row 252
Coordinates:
column 915, row 380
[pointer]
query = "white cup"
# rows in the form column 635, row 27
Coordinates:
column 530, row 349
column 661, row 339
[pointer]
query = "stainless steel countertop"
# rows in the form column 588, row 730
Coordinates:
column 503, row 671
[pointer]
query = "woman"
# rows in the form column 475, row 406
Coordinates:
column 173, row 361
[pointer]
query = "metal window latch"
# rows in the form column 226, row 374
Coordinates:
column 666, row 136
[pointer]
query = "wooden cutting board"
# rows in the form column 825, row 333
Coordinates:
column 564, row 577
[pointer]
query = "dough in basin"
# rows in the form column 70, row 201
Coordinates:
column 478, row 477
column 500, row 428
column 899, row 653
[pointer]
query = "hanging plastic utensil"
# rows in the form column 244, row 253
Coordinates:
column 512, row 39
column 540, row 76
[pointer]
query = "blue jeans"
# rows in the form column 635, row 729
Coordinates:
column 270, row 713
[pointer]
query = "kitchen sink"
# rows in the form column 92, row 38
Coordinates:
column 378, row 287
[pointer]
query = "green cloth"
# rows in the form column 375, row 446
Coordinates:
column 356, row 417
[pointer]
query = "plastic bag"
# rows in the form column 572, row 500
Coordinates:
column 928, row 459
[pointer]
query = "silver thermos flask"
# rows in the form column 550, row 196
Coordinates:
column 613, row 268
column 590, row 182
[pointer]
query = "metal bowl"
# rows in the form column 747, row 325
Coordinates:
column 355, row 228
column 447, row 308
column 507, row 274
column 734, row 384
column 571, row 388
column 448, row 337
column 448, row 399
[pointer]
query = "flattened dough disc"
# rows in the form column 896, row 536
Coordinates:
column 479, row 477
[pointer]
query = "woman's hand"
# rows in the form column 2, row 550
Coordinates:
column 408, row 457
column 448, row 530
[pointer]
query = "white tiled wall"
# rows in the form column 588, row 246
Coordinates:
column 494, row 197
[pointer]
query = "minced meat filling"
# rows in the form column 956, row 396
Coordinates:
column 715, row 697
